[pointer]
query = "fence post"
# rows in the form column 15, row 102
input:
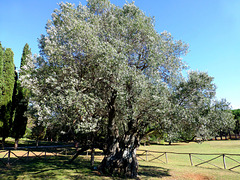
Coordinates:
column 45, row 154
column 56, row 151
column 190, row 157
column 224, row 162
column 146, row 155
column 166, row 157
column 9, row 156
column 27, row 154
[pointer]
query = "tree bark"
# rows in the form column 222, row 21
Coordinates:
column 92, row 156
column 122, row 160
column 78, row 153
column 37, row 141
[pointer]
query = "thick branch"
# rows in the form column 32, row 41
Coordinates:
column 112, row 129
column 78, row 153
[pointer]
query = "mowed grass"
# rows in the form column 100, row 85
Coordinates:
column 178, row 166
column 54, row 168
column 208, row 147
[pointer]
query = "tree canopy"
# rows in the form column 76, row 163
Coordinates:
column 236, row 113
column 105, row 70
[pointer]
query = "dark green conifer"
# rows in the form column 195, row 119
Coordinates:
column 9, row 81
column 21, row 99
column 8, row 75
column 26, row 52
column 1, row 74
column 20, row 104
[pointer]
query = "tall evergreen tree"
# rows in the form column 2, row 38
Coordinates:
column 8, row 75
column 26, row 52
column 1, row 74
column 9, row 80
column 19, row 107
column 21, row 101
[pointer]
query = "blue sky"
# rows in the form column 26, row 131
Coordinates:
column 210, row 27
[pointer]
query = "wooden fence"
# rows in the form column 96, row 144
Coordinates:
column 195, row 159
column 9, row 155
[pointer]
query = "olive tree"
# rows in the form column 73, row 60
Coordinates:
column 196, row 112
column 105, row 72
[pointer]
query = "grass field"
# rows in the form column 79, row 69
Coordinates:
column 178, row 167
column 208, row 147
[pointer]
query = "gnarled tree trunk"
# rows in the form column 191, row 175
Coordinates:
column 120, row 155
column 122, row 159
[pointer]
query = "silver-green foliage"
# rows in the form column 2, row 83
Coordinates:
column 90, row 52
column 196, row 111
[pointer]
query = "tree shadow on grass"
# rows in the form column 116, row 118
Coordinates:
column 59, row 168
column 147, row 172
column 54, row 168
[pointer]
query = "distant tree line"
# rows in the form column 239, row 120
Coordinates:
column 236, row 114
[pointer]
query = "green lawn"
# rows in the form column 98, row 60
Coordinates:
column 54, row 168
column 178, row 166
column 224, row 146
column 208, row 147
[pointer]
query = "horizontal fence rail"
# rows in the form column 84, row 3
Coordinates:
column 149, row 155
column 9, row 155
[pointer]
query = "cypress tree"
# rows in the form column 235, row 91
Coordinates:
column 1, row 75
column 20, row 104
column 1, row 85
column 9, row 81
column 8, row 75
column 21, row 99
column 26, row 52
